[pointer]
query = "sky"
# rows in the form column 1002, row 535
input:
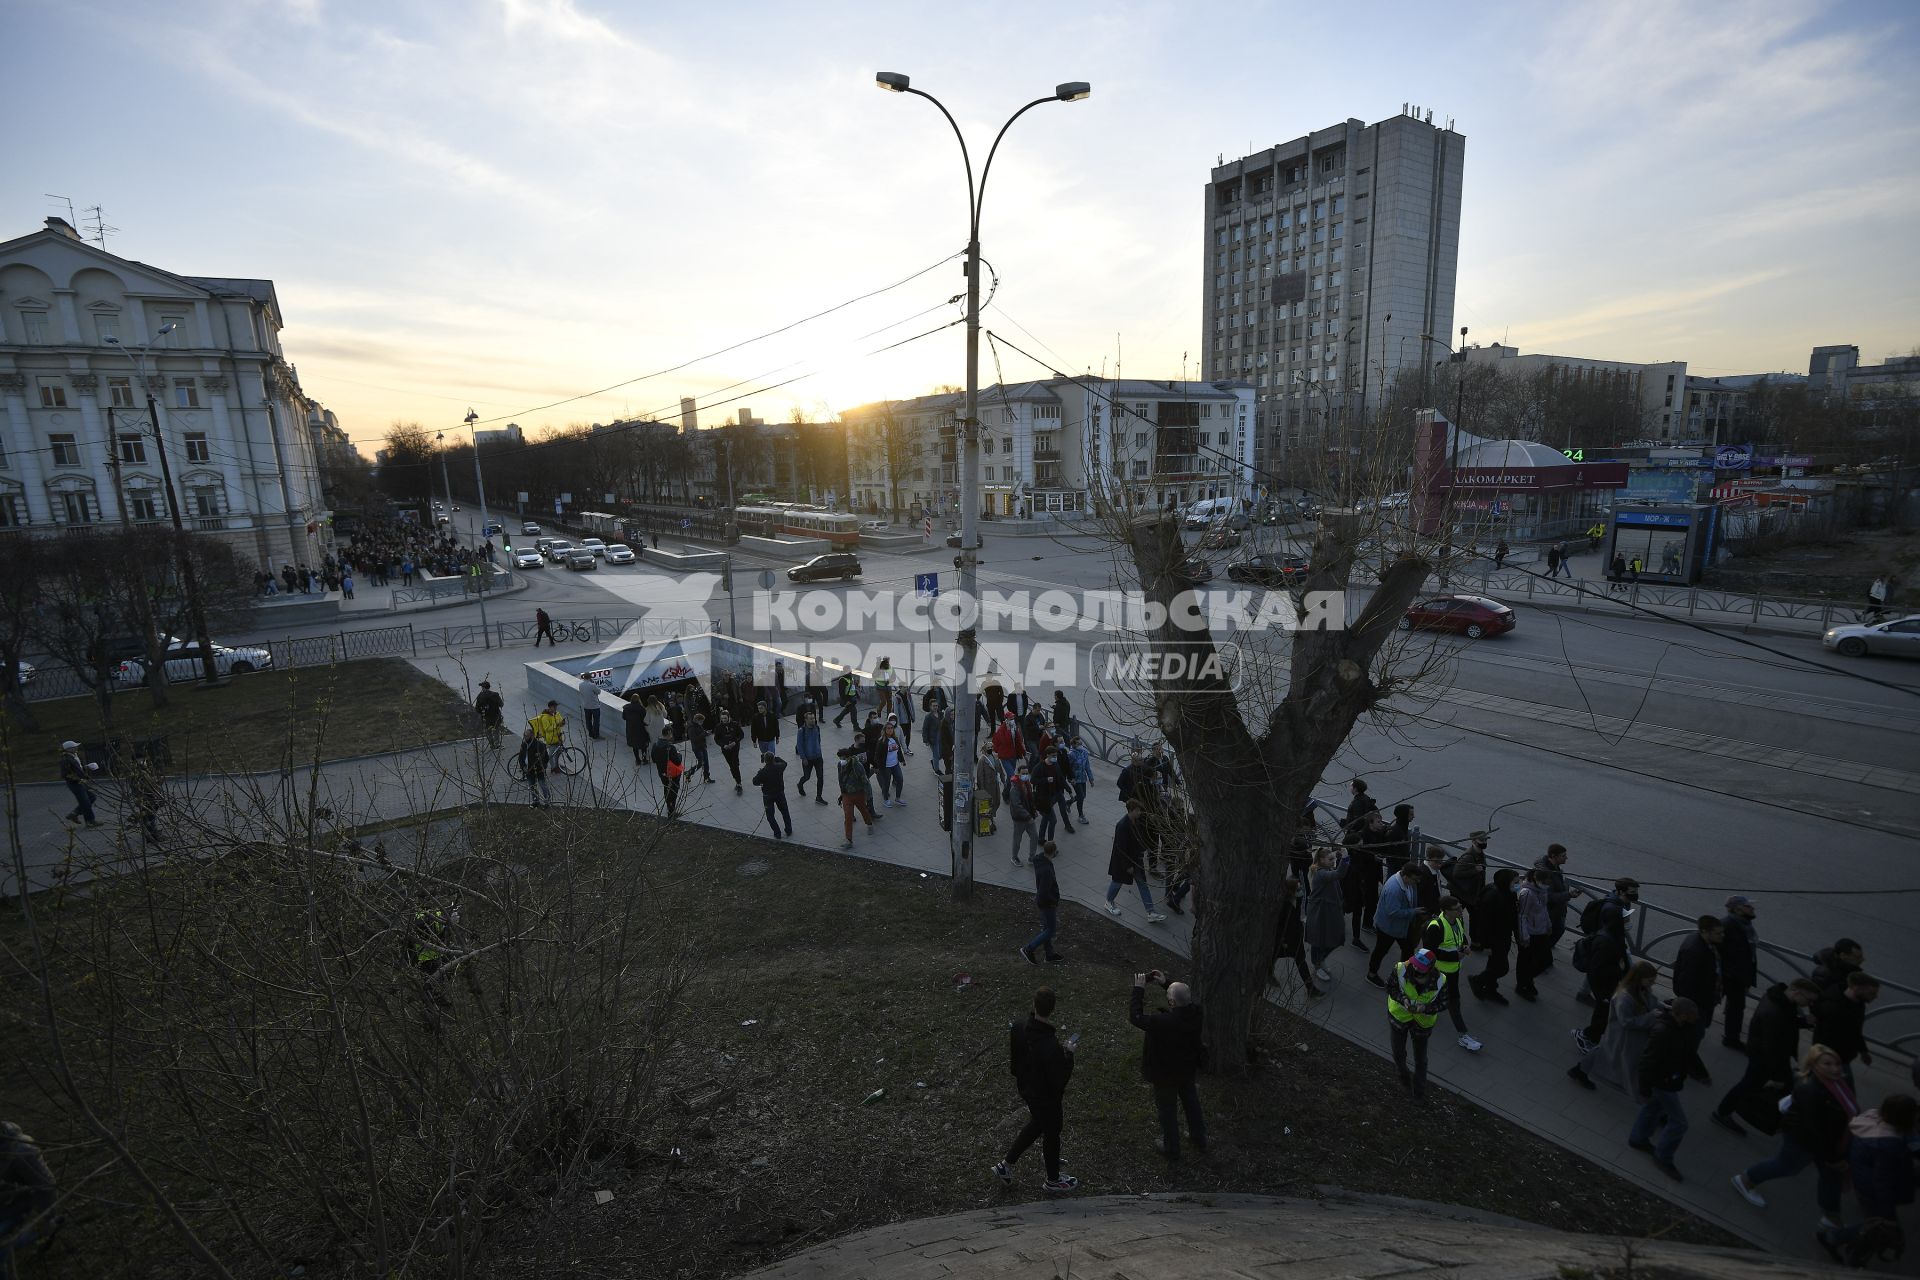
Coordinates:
column 510, row 204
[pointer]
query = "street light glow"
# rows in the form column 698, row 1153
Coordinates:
column 891, row 81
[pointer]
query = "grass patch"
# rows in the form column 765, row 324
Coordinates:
column 381, row 704
column 819, row 979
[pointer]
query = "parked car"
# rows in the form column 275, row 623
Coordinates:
column 530, row 527
column 558, row 550
column 528, row 560
column 620, row 553
column 1469, row 616
column 1269, row 571
column 183, row 662
column 1192, row 572
column 595, row 545
column 953, row 540
column 843, row 565
column 874, row 526
column 1899, row 637
column 1219, row 538
column 580, row 560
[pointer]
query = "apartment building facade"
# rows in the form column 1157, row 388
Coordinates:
column 1328, row 265
column 77, row 448
column 1659, row 389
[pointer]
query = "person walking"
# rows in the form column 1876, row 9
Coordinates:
column 893, row 776
column 549, row 725
column 697, row 741
column 848, row 688
column 1395, row 920
column 1566, row 561
column 1445, row 938
column 1022, row 809
column 532, row 759
column 1813, row 1131
column 1839, row 1020
column 1696, row 977
column 492, row 709
column 1127, row 862
column 1495, row 921
column 633, row 714
column 1664, row 1067
column 1880, row 1164
column 988, row 779
column 542, row 624
column 932, row 731
column 1042, row 1066
column 1553, row 561
column 903, row 712
column 1832, row 965
column 765, row 728
column 1553, row 878
column 1739, row 964
column 1325, row 927
column 1360, row 890
column 1171, row 1055
column 727, row 735
column 772, row 781
column 1606, row 960
column 346, row 585
column 1080, row 769
column 1772, row 1047
column 1046, row 897
column 1633, row 1009
column 589, row 706
column 1414, row 994
column 852, row 779
column 806, row 745
column 883, row 686
column 77, row 774
column 1500, row 554
column 1289, row 938
column 1534, row 929
column 1009, row 747
column 1053, row 788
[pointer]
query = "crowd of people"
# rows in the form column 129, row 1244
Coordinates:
column 381, row 552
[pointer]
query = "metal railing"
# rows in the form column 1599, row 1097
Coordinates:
column 1692, row 601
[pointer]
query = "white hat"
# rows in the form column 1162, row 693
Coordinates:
column 69, row 745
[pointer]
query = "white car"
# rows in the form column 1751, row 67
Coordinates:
column 527, row 560
column 557, row 550
column 596, row 546
column 1899, row 637
column 183, row 662
column 620, row 553
column 874, row 526
column 530, row 528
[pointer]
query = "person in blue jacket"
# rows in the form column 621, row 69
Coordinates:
column 1394, row 919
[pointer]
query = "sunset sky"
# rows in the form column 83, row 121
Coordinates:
column 508, row 203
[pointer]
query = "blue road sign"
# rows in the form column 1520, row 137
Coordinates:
column 926, row 585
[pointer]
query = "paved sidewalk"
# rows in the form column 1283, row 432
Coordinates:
column 1520, row 1074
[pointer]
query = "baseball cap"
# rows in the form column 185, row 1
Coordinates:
column 1738, row 900
column 69, row 745
column 1421, row 961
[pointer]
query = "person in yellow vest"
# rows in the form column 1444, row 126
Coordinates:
column 429, row 939
column 547, row 725
column 1446, row 937
column 1413, row 1006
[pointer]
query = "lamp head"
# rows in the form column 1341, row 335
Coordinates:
column 166, row 329
column 891, row 81
column 1072, row 90
column 472, row 417
column 111, row 341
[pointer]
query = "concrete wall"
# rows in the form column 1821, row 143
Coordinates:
column 786, row 548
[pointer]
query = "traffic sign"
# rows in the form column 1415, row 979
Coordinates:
column 767, row 579
column 926, row 585
column 686, row 523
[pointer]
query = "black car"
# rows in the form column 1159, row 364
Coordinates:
column 843, row 565
column 953, row 540
column 581, row 560
column 1192, row 571
column 1269, row 571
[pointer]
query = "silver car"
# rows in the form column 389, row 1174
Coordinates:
column 1899, row 637
column 183, row 662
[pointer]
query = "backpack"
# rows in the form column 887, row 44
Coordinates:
column 1589, row 921
column 1583, row 953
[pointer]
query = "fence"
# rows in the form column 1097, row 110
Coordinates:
column 431, row 591
column 1679, row 600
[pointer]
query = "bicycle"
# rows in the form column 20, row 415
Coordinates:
column 568, row 761
column 578, row 632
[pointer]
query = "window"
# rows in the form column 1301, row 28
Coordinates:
column 1319, row 235
column 1139, row 439
column 66, row 452
column 11, row 517
column 34, row 325
column 1139, row 471
column 120, row 392
column 186, row 393
column 53, row 393
column 133, row 449
column 73, row 508
column 141, row 506
column 106, row 327
column 1339, row 207
column 1319, row 210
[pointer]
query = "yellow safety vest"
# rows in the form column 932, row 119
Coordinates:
column 1446, row 958
column 1406, row 1003
column 546, row 727
column 432, row 927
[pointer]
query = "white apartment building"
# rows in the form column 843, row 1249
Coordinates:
column 1040, row 442
column 242, row 439
column 1659, row 389
column 1328, row 265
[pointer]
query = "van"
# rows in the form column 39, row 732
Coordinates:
column 1207, row 510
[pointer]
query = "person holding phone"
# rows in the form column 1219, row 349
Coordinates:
column 1042, row 1065
column 1171, row 1056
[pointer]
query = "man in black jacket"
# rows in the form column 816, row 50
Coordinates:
column 1696, row 976
column 1664, row 1066
column 727, row 736
column 1170, row 1058
column 772, row 781
column 1041, row 1068
column 1839, row 1020
column 1773, row 1045
column 1046, row 896
column 1607, row 961
column 766, row 728
column 1739, row 965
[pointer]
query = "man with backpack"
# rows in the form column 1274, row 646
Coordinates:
column 1042, row 1065
column 854, row 788
column 666, row 763
column 1021, row 807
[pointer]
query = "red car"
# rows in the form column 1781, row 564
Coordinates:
column 1469, row 616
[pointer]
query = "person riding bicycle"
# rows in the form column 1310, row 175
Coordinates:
column 492, row 709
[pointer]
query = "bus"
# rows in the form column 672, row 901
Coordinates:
column 798, row 520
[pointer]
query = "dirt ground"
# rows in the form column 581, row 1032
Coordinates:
column 1842, row 566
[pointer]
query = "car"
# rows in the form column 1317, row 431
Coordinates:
column 443, row 519
column 528, row 560
column 183, row 662
column 580, row 560
column 620, row 553
column 1192, row 571
column 1469, row 616
column 1899, row 637
column 1219, row 538
column 597, row 547
column 874, row 526
column 1269, row 571
column 530, row 528
column 843, row 565
column 558, row 549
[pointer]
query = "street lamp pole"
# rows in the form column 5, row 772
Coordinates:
column 183, row 559
column 966, row 726
column 480, row 493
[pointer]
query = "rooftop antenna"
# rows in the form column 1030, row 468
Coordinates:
column 98, row 230
column 72, row 220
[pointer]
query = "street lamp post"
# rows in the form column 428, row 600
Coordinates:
column 480, row 493
column 966, row 728
column 183, row 560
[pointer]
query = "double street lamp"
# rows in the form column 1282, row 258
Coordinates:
column 183, row 559
column 967, row 734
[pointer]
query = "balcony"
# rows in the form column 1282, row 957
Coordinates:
column 1046, row 455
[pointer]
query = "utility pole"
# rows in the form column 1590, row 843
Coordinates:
column 479, row 493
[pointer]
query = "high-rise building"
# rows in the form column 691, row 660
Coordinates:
column 1328, row 266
